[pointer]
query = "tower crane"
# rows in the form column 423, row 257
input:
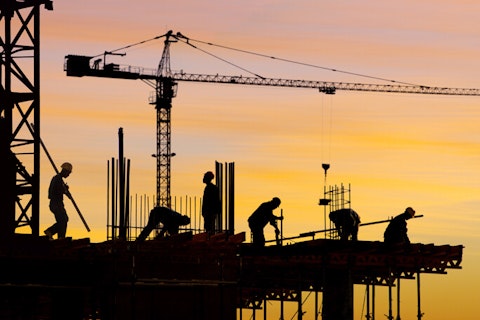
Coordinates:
column 165, row 83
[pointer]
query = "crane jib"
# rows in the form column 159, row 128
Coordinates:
column 79, row 66
column 323, row 86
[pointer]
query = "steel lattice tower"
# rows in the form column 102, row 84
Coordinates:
column 20, row 114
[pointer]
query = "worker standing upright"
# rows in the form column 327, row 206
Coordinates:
column 211, row 205
column 56, row 191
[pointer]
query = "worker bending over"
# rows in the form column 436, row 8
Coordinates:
column 171, row 221
column 259, row 219
column 396, row 231
column 346, row 222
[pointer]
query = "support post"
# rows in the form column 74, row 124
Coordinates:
column 338, row 295
column 300, row 312
column 367, row 289
column 398, row 299
column 373, row 302
column 282, row 307
column 419, row 309
column 390, row 312
column 265, row 308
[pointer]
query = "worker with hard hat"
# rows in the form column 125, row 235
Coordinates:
column 396, row 232
column 56, row 191
column 260, row 218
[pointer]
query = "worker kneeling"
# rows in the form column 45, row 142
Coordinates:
column 346, row 222
column 171, row 221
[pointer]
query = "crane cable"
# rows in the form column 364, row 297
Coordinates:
column 133, row 45
column 180, row 37
column 185, row 40
column 302, row 63
column 326, row 133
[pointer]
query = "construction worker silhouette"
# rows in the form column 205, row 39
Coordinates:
column 259, row 219
column 211, row 205
column 396, row 231
column 56, row 191
column 346, row 222
column 171, row 221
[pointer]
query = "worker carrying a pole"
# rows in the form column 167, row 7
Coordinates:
column 259, row 219
column 171, row 221
column 211, row 205
column 346, row 222
column 56, row 191
column 396, row 232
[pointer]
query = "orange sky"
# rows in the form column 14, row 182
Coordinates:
column 395, row 150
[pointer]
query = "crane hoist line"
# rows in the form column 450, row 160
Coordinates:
column 165, row 83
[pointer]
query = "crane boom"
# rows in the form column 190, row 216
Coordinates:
column 80, row 66
column 165, row 83
column 323, row 86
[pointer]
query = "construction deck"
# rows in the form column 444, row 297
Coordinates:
column 193, row 277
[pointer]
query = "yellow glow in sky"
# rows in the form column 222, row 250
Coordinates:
column 394, row 150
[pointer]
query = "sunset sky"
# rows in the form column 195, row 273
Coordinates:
column 394, row 150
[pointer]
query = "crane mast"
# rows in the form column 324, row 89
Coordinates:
column 165, row 90
column 166, row 87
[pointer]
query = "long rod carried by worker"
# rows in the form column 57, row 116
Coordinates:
column 69, row 195
column 313, row 233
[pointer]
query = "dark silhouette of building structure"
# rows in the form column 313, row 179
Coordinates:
column 186, row 276
column 20, row 115
column 194, row 277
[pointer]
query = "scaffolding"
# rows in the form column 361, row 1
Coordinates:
column 334, row 198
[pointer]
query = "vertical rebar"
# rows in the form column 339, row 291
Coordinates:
column 108, row 198
column 113, row 214
column 127, row 201
column 121, row 197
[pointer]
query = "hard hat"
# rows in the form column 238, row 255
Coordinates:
column 67, row 166
column 410, row 211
